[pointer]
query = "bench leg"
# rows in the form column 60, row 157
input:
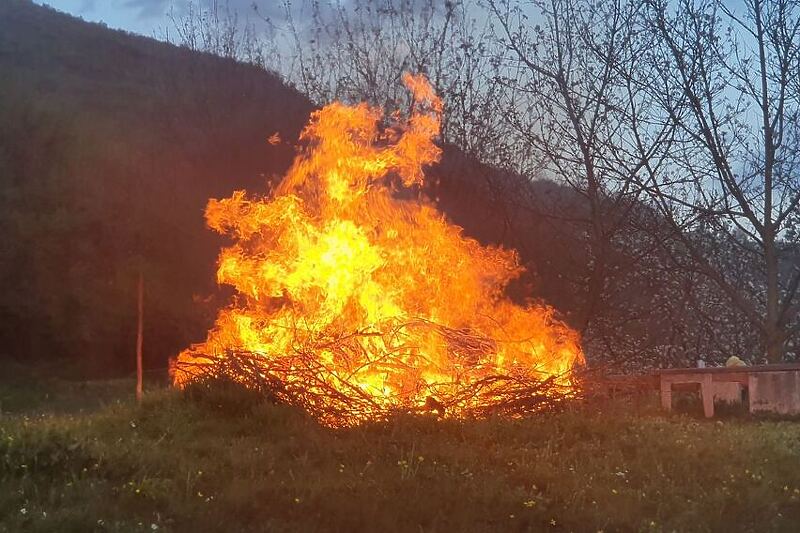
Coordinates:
column 751, row 392
column 666, row 394
column 707, row 392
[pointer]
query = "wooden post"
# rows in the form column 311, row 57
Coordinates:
column 139, row 333
column 666, row 393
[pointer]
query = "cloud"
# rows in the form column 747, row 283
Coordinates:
column 87, row 6
column 146, row 9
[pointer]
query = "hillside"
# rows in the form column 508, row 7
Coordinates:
column 110, row 146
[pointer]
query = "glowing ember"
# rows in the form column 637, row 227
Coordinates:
column 358, row 302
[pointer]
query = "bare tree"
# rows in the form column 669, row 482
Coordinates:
column 674, row 123
column 217, row 29
column 577, row 105
column 359, row 50
column 728, row 80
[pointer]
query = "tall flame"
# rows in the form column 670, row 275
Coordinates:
column 341, row 274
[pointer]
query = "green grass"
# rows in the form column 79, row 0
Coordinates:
column 216, row 464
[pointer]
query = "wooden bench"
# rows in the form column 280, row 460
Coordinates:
column 747, row 376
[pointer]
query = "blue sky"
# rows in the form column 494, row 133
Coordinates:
column 146, row 17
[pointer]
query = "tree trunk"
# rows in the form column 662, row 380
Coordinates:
column 773, row 336
column 597, row 275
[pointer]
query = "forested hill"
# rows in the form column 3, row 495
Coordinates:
column 110, row 146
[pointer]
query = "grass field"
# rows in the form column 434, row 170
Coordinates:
column 86, row 458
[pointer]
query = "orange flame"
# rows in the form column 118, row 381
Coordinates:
column 388, row 297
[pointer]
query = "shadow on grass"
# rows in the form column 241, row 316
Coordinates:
column 28, row 389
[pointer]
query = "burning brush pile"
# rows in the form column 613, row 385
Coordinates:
column 355, row 301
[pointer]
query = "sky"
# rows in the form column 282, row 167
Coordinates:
column 147, row 17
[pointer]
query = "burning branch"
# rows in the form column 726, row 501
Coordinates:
column 332, row 393
column 356, row 301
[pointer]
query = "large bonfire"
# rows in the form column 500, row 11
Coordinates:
column 355, row 301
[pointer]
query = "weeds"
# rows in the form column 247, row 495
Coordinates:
column 181, row 463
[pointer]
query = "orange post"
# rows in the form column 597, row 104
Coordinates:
column 139, row 333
